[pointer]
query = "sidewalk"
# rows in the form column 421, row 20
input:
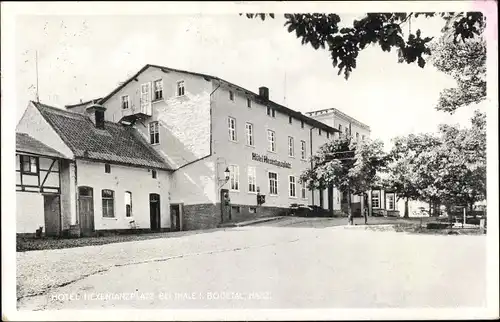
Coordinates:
column 250, row 222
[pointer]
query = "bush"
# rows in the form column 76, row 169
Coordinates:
column 438, row 225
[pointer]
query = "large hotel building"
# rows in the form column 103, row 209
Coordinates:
column 217, row 141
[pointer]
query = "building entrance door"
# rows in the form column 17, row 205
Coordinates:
column 52, row 214
column 86, row 210
column 154, row 211
column 175, row 217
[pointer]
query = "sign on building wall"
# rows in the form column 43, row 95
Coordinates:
column 265, row 159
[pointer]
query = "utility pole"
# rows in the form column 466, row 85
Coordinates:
column 36, row 63
column 284, row 92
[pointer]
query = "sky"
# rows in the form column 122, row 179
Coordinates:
column 86, row 56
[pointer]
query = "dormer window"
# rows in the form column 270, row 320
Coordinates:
column 99, row 119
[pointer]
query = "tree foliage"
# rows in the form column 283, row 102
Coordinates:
column 322, row 30
column 466, row 63
column 348, row 165
column 447, row 168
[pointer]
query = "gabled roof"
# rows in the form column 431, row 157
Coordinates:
column 340, row 113
column 116, row 143
column 256, row 97
column 95, row 100
column 27, row 144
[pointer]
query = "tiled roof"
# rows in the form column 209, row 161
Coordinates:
column 25, row 143
column 116, row 143
column 278, row 107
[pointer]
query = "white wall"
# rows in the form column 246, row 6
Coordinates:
column 33, row 124
column 184, row 121
column 195, row 183
column 29, row 212
column 122, row 178
column 238, row 153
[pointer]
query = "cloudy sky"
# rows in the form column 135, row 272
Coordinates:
column 86, row 56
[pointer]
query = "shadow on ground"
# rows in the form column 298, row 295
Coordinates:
column 30, row 243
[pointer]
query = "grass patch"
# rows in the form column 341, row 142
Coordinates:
column 29, row 243
column 417, row 229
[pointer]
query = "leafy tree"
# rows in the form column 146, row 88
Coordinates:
column 466, row 63
column 448, row 168
column 348, row 165
column 322, row 30
column 404, row 175
column 463, row 167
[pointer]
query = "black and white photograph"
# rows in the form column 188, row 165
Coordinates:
column 249, row 160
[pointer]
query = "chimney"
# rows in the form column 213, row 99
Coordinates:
column 96, row 114
column 264, row 92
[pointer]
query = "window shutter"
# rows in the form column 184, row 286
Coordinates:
column 151, row 98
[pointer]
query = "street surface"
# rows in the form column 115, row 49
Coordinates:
column 292, row 263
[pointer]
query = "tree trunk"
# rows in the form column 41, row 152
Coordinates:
column 406, row 215
column 365, row 210
column 430, row 208
column 349, row 210
column 448, row 211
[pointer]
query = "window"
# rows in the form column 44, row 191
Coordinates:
column 107, row 168
column 303, row 190
column 375, row 199
column 252, row 179
column 128, row 204
column 154, row 132
column 290, row 120
column 108, row 203
column 340, row 128
column 302, row 124
column 268, row 111
column 153, row 174
column 231, row 95
column 273, row 112
column 346, row 131
column 249, row 102
column 271, row 140
column 29, row 164
column 180, row 88
column 390, row 199
column 249, row 131
column 291, row 151
column 357, row 136
column 327, row 135
column 234, row 178
column 235, row 209
column 303, row 150
column 158, row 89
column 232, row 128
column 145, row 96
column 319, row 131
column 292, row 187
column 125, row 102
column 273, row 183
column 99, row 119
column 252, row 210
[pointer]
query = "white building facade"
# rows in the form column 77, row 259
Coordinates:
column 202, row 126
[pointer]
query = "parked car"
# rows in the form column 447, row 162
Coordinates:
column 301, row 210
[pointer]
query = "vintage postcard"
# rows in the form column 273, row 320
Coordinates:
column 249, row 160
